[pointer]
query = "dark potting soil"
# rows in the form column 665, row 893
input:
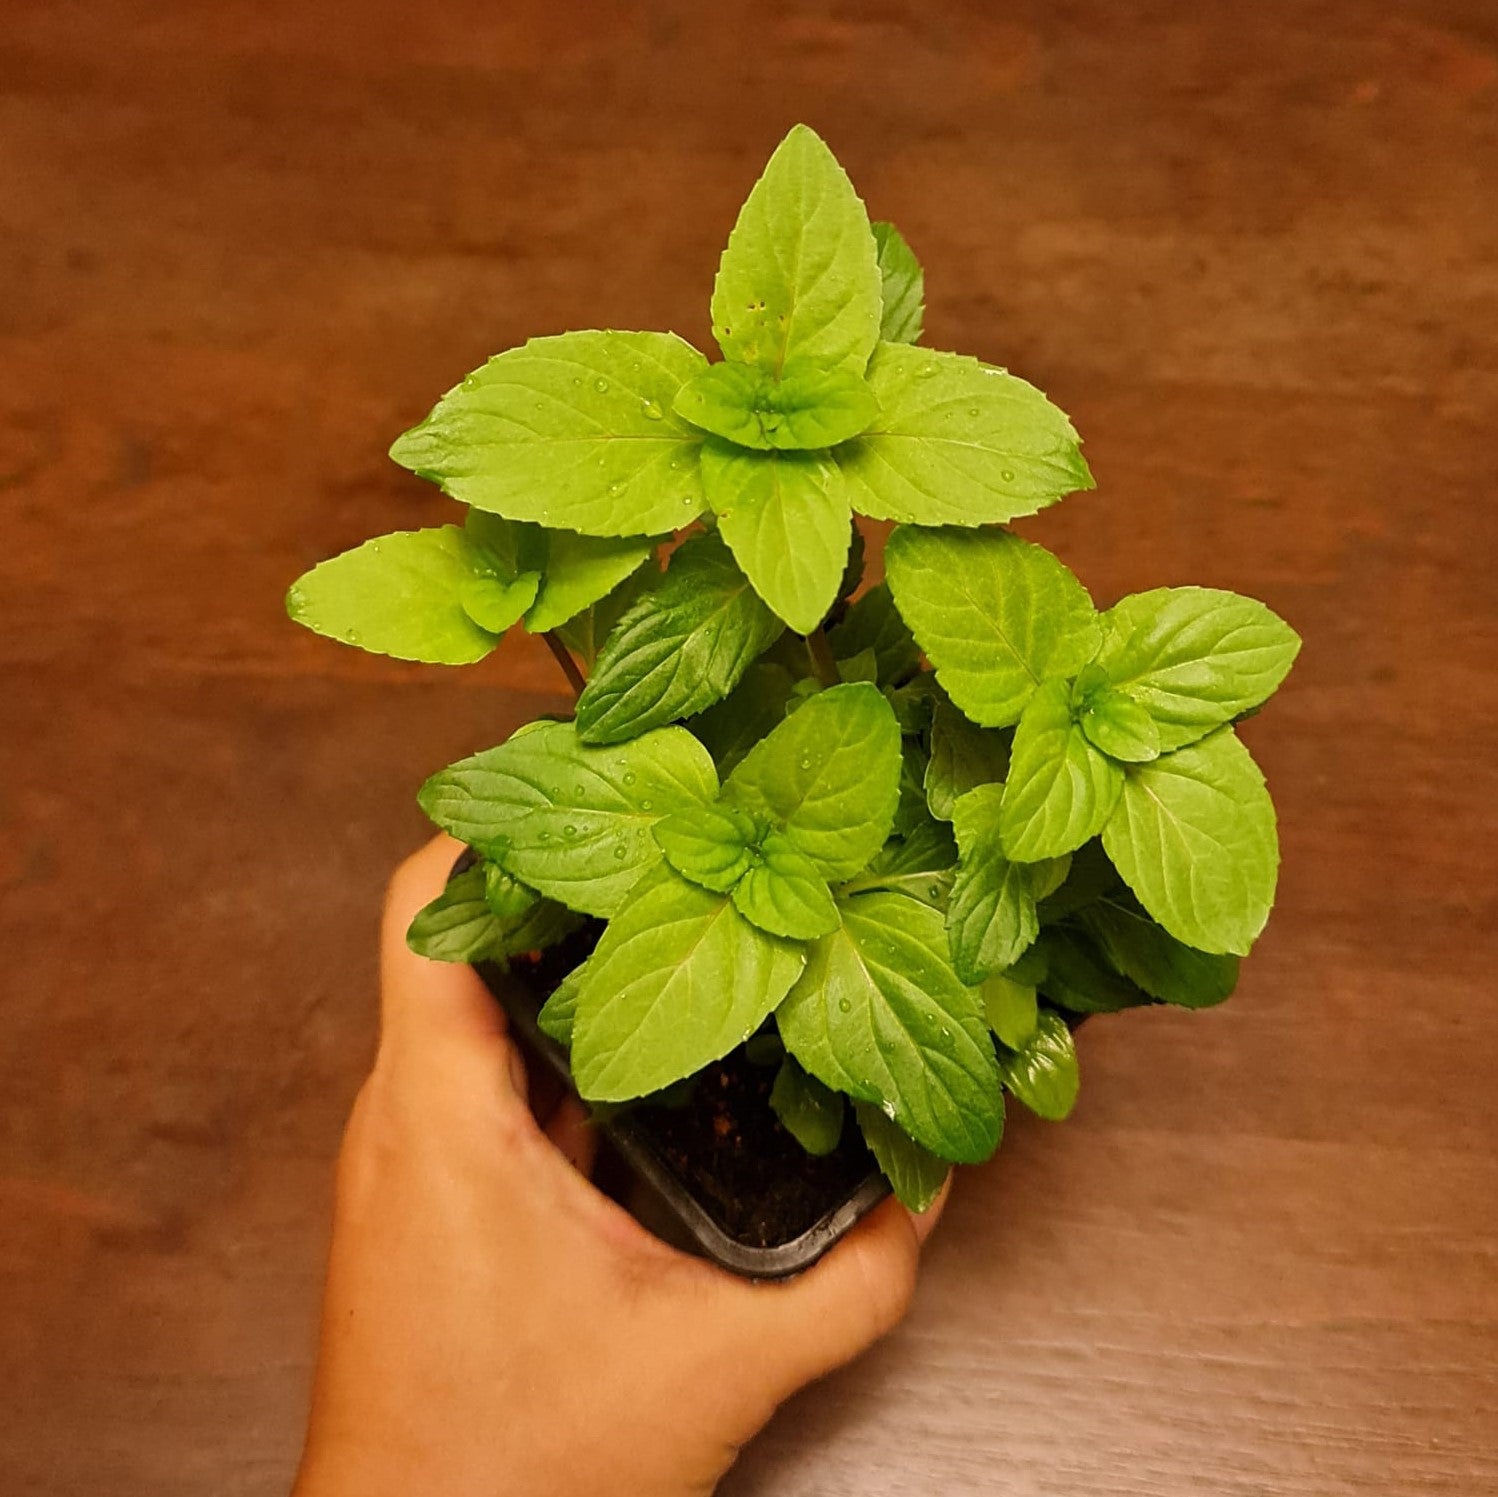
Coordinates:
column 723, row 1142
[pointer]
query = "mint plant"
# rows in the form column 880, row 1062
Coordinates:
column 901, row 839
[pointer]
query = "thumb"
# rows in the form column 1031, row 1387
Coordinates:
column 858, row 1293
column 423, row 1001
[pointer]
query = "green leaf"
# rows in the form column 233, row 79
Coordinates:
column 958, row 443
column 461, row 924
column 914, row 704
column 828, row 776
column 873, row 622
column 1195, row 657
column 402, row 595
column 511, row 547
column 903, row 293
column 684, row 645
column 572, row 821
column 784, row 894
column 575, row 431
column 764, row 1048
column 1043, row 1072
column 863, row 666
column 709, row 845
column 585, row 632
column 493, row 604
column 787, row 523
column 799, row 279
column 879, row 1014
column 678, row 979
column 558, row 1014
column 579, row 570
column 1149, row 955
column 854, row 570
column 1010, row 1007
column 1115, row 723
column 1048, row 875
column 995, row 615
column 991, row 918
column 1061, row 790
column 926, row 850
column 920, row 863
column 916, row 1175
column 505, row 894
column 963, row 756
column 804, row 407
column 1194, row 838
column 911, row 810
column 458, row 925
column 1030, row 969
column 810, row 1112
column 541, row 925
column 1076, row 977
column 1089, row 877
column 732, row 727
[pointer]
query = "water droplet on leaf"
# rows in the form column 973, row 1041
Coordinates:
column 600, row 385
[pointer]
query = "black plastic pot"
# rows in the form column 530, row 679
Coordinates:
column 717, row 1175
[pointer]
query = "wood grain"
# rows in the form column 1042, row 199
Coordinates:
column 1251, row 248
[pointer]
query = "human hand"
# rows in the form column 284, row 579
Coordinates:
column 493, row 1324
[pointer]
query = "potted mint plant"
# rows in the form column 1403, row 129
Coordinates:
column 816, row 873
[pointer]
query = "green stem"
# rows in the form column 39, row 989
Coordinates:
column 822, row 661
column 575, row 678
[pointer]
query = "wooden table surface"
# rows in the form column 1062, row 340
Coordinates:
column 1252, row 248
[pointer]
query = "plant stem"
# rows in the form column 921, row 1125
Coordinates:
column 564, row 659
column 821, row 658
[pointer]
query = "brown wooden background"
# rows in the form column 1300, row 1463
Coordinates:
column 1253, row 248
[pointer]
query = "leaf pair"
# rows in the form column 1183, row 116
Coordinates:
column 810, row 803
column 877, row 1013
column 775, row 886
column 820, row 408
column 1120, row 721
column 567, row 819
column 483, row 915
column 445, row 595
